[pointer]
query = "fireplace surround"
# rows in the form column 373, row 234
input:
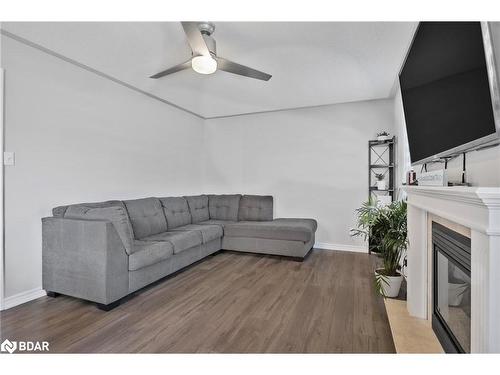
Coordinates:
column 475, row 212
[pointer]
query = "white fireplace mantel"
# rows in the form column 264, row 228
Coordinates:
column 477, row 208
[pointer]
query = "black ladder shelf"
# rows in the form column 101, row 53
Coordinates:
column 381, row 160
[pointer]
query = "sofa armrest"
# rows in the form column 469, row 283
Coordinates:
column 84, row 259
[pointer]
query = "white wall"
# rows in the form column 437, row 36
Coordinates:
column 79, row 137
column 313, row 161
column 483, row 168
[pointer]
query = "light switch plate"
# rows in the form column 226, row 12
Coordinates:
column 9, row 158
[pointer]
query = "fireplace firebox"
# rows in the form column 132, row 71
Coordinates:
column 451, row 318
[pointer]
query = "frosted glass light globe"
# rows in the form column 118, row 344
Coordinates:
column 204, row 64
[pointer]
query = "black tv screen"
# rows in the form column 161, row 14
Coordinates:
column 445, row 89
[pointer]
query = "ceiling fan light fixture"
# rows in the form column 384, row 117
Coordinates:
column 204, row 64
column 204, row 58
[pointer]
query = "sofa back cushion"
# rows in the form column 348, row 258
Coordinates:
column 256, row 208
column 146, row 216
column 198, row 207
column 116, row 214
column 224, row 207
column 176, row 211
column 61, row 210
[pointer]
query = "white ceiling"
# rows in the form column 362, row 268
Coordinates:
column 312, row 63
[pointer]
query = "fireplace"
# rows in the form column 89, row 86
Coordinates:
column 474, row 212
column 451, row 314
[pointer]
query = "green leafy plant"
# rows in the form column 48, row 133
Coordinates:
column 371, row 224
column 395, row 239
column 367, row 216
column 383, row 134
column 386, row 229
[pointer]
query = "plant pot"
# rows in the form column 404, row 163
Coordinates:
column 381, row 185
column 381, row 138
column 390, row 284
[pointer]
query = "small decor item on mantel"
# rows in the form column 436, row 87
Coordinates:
column 411, row 177
column 383, row 136
column 386, row 229
column 433, row 178
column 381, row 185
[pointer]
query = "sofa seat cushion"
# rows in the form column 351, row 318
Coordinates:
column 146, row 216
column 198, row 208
column 181, row 240
column 309, row 223
column 117, row 215
column 224, row 207
column 256, row 208
column 221, row 223
column 274, row 230
column 147, row 253
column 176, row 211
column 208, row 232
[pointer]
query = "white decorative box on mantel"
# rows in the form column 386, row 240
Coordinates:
column 478, row 209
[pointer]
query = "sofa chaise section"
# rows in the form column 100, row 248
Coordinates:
column 290, row 230
column 259, row 233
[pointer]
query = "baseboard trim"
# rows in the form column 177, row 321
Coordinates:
column 340, row 247
column 23, row 297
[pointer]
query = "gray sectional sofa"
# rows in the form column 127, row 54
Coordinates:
column 102, row 252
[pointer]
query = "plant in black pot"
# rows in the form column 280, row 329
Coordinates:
column 386, row 229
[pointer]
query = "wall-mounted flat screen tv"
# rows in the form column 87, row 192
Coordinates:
column 449, row 90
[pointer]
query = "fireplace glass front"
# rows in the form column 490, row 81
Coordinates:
column 452, row 304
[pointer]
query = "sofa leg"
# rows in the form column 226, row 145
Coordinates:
column 308, row 253
column 52, row 294
column 109, row 306
column 297, row 259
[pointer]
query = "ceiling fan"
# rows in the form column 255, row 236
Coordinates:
column 204, row 58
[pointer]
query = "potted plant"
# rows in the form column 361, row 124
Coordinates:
column 383, row 136
column 387, row 226
column 371, row 224
column 381, row 185
column 393, row 245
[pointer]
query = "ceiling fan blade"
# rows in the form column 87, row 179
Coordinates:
column 174, row 69
column 195, row 39
column 242, row 70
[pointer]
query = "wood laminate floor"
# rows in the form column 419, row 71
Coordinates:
column 228, row 303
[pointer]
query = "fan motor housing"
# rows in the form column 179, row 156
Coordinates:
column 211, row 44
column 207, row 29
